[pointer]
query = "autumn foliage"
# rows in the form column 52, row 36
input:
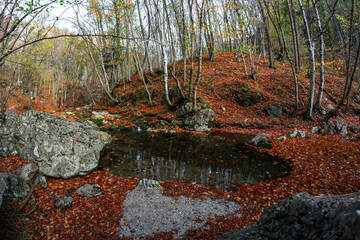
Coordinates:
column 320, row 164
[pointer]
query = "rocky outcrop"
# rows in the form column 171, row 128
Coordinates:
column 12, row 188
column 201, row 121
column 62, row 149
column 302, row 216
column 273, row 111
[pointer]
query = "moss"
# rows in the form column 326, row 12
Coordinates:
column 149, row 114
column 264, row 144
column 98, row 122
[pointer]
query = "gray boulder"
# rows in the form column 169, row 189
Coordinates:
column 301, row 134
column 315, row 129
column 28, row 171
column 62, row 149
column 41, row 181
column 274, row 111
column 12, row 188
column 344, row 131
column 302, row 216
column 293, row 133
column 200, row 122
column 62, row 202
column 260, row 141
column 90, row 190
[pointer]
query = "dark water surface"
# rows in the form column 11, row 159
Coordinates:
column 216, row 159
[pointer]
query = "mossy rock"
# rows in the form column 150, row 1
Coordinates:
column 98, row 121
column 260, row 141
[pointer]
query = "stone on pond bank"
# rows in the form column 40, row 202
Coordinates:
column 62, row 148
column 260, row 140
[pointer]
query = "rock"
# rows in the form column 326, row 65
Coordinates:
column 354, row 129
column 62, row 149
column 200, row 122
column 338, row 125
column 301, row 134
column 186, row 109
column 12, row 188
column 97, row 118
column 302, row 216
column 330, row 106
column 260, row 141
column 315, row 129
column 344, row 131
column 149, row 184
column 332, row 126
column 90, row 190
column 62, row 202
column 223, row 108
column 28, row 171
column 324, row 129
column 293, row 133
column 282, row 138
column 41, row 181
column 273, row 111
column 8, row 129
column 357, row 99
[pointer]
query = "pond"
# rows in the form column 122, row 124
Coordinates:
column 220, row 159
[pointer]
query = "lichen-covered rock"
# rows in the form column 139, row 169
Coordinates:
column 62, row 149
column 12, row 188
column 28, row 171
column 201, row 121
column 62, row 202
column 90, row 190
column 260, row 140
column 305, row 217
column 41, row 181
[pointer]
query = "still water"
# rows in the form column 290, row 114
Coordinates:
column 220, row 159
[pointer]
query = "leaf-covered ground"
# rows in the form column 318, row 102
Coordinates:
column 321, row 164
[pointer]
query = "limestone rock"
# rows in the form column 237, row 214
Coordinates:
column 12, row 188
column 302, row 216
column 201, row 121
column 62, row 148
column 282, row 138
column 90, row 190
column 293, row 133
column 301, row 134
column 28, row 171
column 274, row 111
column 260, row 140
column 315, row 129
column 41, row 181
column 62, row 202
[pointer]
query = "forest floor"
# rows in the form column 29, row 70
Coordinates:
column 327, row 164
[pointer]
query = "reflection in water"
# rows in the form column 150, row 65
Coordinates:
column 215, row 159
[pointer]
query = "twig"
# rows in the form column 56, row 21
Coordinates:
column 177, row 83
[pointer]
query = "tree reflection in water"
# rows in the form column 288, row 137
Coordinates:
column 215, row 159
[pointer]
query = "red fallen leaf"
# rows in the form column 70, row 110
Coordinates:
column 126, row 223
